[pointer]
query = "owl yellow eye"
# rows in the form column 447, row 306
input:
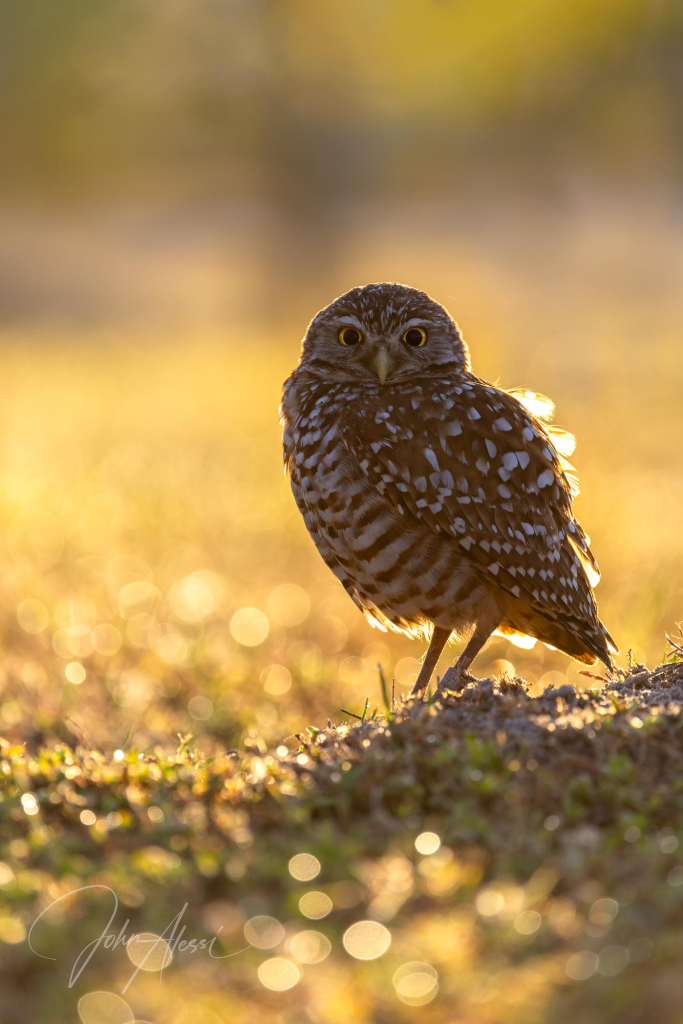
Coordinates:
column 415, row 337
column 350, row 336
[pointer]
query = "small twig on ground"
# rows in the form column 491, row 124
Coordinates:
column 85, row 739
column 352, row 713
column 183, row 741
column 676, row 648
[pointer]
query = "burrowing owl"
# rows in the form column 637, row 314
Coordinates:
column 442, row 503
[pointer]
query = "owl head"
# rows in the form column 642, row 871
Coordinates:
column 386, row 333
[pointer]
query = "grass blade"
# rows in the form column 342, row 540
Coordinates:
column 383, row 685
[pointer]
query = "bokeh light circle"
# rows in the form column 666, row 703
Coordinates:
column 583, row 965
column 416, row 983
column 288, row 604
column 33, row 616
column 106, row 639
column 249, row 627
column 264, row 932
column 104, row 1008
column 75, row 673
column 489, row 902
column 315, row 905
column 528, row 922
column 276, row 679
column 310, row 947
column 30, row 804
column 366, row 940
column 200, row 708
column 149, row 952
column 196, row 596
column 279, row 974
column 427, row 843
column 406, row 670
column 304, row 867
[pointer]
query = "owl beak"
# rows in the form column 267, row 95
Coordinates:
column 382, row 364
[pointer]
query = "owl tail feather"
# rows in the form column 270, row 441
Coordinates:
column 600, row 646
column 587, row 648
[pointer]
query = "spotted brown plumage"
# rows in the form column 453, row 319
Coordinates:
column 441, row 502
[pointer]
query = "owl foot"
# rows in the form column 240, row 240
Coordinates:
column 454, row 680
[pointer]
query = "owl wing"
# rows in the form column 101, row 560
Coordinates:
column 471, row 462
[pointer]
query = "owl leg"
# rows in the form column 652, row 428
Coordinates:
column 453, row 678
column 438, row 642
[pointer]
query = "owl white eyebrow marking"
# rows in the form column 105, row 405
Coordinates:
column 415, row 321
column 352, row 320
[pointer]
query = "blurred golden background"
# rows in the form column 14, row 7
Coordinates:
column 182, row 186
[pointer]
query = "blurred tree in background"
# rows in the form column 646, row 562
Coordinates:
column 286, row 116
